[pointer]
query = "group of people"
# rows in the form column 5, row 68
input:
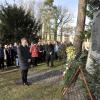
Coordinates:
column 40, row 51
column 8, row 55
column 43, row 51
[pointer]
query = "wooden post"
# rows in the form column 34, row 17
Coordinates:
column 74, row 78
column 86, row 85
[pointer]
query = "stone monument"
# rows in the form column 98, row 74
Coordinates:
column 94, row 52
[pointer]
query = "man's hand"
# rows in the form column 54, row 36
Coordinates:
column 50, row 53
column 29, row 60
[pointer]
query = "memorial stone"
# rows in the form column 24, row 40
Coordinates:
column 94, row 52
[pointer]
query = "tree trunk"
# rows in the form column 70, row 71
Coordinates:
column 55, row 36
column 46, row 36
column 49, row 36
column 49, row 32
column 42, row 33
column 80, row 24
column 55, row 30
column 61, row 35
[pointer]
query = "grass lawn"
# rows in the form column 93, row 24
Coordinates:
column 10, row 91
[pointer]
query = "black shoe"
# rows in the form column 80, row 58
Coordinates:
column 27, row 83
column 17, row 66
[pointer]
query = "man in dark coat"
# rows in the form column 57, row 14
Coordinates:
column 1, row 57
column 40, row 47
column 24, row 60
column 15, row 55
column 49, row 54
column 11, row 52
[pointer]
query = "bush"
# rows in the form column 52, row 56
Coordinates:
column 94, row 80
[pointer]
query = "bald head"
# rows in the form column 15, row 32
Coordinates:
column 24, row 41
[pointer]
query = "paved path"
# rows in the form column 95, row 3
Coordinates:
column 76, row 92
column 49, row 74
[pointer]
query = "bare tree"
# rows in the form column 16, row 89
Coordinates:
column 53, row 18
column 61, row 17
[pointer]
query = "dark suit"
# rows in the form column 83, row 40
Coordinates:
column 41, row 50
column 49, row 54
column 8, row 62
column 1, row 58
column 23, row 56
column 11, row 53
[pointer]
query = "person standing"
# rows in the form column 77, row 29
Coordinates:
column 34, row 53
column 24, row 60
column 7, row 55
column 40, row 48
column 1, row 57
column 15, row 55
column 49, row 54
column 56, row 48
column 11, row 52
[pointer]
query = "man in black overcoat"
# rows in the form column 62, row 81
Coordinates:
column 49, row 54
column 24, row 60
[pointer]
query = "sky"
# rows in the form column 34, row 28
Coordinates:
column 72, row 5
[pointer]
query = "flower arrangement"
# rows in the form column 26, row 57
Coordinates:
column 70, row 53
column 73, row 64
